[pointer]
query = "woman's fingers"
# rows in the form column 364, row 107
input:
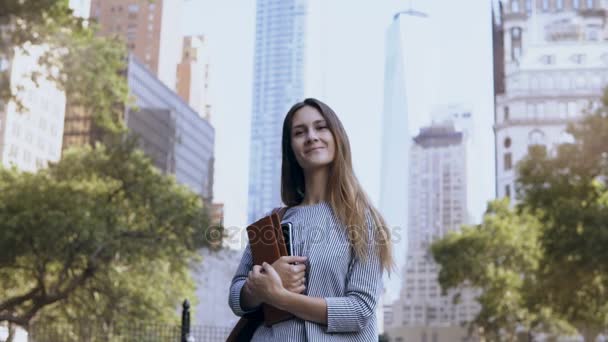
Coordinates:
column 290, row 259
column 298, row 268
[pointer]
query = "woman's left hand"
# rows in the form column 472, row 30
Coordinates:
column 265, row 282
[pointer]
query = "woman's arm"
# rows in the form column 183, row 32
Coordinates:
column 307, row 308
column 240, row 300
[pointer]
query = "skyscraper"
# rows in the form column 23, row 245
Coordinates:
column 551, row 59
column 437, row 205
column 287, row 68
column 408, row 99
column 150, row 28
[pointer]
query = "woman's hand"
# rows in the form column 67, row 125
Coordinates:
column 265, row 283
column 292, row 276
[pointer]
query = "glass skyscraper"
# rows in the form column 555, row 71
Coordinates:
column 285, row 47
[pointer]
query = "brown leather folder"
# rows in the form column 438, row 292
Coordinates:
column 267, row 245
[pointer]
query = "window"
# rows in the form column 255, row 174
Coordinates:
column 514, row 6
column 507, row 142
column 133, row 8
column 506, row 113
column 590, row 4
column 536, row 137
column 547, row 59
column 559, row 4
column 507, row 161
column 545, row 5
column 578, row 58
column 576, row 4
column 515, row 43
column 14, row 150
column 528, row 6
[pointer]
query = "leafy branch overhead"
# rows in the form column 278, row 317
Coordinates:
column 89, row 68
column 88, row 221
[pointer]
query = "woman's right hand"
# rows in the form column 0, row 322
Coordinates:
column 292, row 276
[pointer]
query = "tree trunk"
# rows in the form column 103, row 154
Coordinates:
column 11, row 332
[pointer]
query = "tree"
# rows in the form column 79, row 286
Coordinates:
column 544, row 265
column 99, row 235
column 569, row 189
column 89, row 68
column 500, row 258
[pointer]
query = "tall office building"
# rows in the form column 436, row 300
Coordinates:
column 173, row 134
column 437, row 205
column 31, row 138
column 551, row 65
column 193, row 75
column 287, row 68
column 410, row 80
column 150, row 28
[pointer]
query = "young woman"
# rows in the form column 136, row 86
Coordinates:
column 341, row 242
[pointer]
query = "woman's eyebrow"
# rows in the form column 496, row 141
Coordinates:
column 304, row 125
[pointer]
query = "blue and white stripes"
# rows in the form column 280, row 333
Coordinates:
column 351, row 287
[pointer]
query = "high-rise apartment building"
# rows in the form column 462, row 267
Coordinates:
column 31, row 137
column 193, row 75
column 551, row 65
column 437, row 205
column 151, row 30
column 287, row 68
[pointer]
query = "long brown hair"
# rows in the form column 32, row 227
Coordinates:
column 346, row 196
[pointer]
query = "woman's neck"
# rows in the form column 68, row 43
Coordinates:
column 316, row 186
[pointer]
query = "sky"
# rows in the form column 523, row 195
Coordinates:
column 354, row 81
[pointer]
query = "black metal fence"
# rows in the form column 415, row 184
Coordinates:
column 94, row 332
column 135, row 332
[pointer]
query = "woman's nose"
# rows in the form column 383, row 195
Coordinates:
column 312, row 135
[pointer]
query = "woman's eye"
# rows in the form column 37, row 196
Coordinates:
column 322, row 127
column 297, row 133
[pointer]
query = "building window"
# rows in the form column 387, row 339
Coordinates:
column 545, row 5
column 590, row 4
column 515, row 43
column 133, row 8
column 578, row 58
column 536, row 137
column 547, row 59
column 506, row 113
column 529, row 6
column 576, row 4
column 514, row 6
column 508, row 161
column 507, row 142
column 559, row 5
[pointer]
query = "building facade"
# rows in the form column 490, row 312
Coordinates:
column 32, row 136
column 287, row 68
column 212, row 278
column 150, row 28
column 551, row 66
column 193, row 75
column 437, row 206
column 175, row 137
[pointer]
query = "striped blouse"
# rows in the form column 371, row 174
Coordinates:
column 350, row 287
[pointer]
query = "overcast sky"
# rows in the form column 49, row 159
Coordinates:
column 354, row 88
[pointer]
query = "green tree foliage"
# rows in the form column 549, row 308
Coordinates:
column 499, row 258
column 99, row 236
column 89, row 68
column 542, row 266
column 569, row 189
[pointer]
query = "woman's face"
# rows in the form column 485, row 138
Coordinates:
column 311, row 140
